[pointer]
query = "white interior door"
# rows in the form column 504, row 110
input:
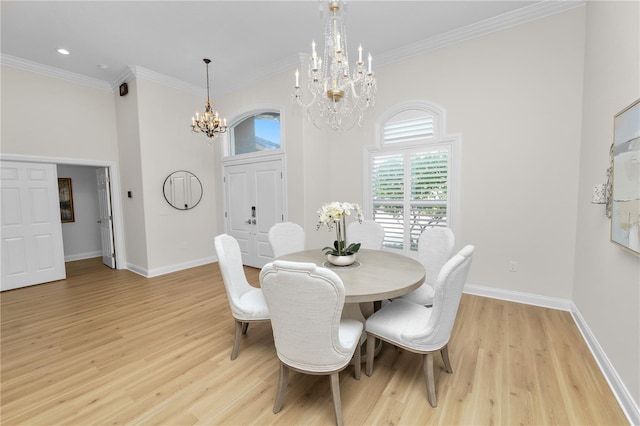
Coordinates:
column 32, row 250
column 254, row 203
column 239, row 193
column 105, row 220
column 270, row 207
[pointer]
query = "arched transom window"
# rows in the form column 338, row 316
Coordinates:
column 255, row 133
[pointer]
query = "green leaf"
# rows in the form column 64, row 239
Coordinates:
column 353, row 248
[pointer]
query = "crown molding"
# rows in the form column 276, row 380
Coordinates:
column 124, row 77
column 23, row 64
column 498, row 23
column 156, row 77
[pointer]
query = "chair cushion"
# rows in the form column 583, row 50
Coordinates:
column 399, row 321
column 423, row 295
column 252, row 306
column 349, row 333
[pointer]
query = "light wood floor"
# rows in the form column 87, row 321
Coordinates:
column 111, row 347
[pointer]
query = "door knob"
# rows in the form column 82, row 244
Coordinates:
column 248, row 221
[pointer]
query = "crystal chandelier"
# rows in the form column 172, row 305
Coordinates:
column 333, row 92
column 209, row 123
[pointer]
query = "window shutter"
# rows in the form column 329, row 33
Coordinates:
column 423, row 207
column 429, row 178
column 408, row 130
column 387, row 178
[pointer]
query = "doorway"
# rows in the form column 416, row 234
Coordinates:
column 119, row 254
column 90, row 232
column 254, row 202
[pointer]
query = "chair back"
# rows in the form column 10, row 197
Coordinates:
column 448, row 291
column 286, row 237
column 235, row 281
column 369, row 233
column 435, row 248
column 305, row 302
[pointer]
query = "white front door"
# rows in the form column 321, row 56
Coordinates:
column 105, row 220
column 32, row 250
column 254, row 203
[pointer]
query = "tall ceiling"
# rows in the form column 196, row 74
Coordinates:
column 244, row 39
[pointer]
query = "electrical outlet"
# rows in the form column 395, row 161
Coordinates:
column 513, row 266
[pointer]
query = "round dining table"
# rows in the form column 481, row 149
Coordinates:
column 376, row 274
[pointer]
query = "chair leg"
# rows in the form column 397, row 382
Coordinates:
column 357, row 362
column 371, row 348
column 245, row 327
column 236, row 342
column 282, row 387
column 335, row 391
column 445, row 358
column 427, row 366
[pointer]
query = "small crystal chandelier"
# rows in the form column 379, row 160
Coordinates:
column 334, row 92
column 209, row 123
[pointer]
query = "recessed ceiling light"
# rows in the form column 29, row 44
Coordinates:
column 63, row 51
column 103, row 66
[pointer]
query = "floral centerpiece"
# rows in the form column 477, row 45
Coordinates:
column 334, row 215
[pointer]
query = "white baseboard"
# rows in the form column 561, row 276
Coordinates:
column 137, row 269
column 515, row 296
column 149, row 273
column 618, row 388
column 620, row 391
column 81, row 256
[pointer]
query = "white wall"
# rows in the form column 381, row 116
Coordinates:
column 81, row 238
column 49, row 117
column 131, row 178
column 607, row 278
column 175, row 239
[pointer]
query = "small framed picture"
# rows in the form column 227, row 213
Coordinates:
column 66, row 200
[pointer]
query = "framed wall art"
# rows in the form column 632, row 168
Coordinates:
column 625, row 192
column 65, row 194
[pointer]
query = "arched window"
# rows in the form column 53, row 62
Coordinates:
column 411, row 170
column 255, row 133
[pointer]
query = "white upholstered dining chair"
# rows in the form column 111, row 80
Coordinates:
column 310, row 335
column 435, row 248
column 285, row 238
column 369, row 233
column 246, row 301
column 419, row 329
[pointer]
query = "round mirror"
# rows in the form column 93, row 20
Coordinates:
column 182, row 189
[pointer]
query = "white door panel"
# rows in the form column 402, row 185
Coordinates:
column 254, row 202
column 269, row 199
column 238, row 185
column 105, row 220
column 32, row 250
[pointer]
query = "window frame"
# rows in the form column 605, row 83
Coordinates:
column 450, row 142
column 243, row 115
